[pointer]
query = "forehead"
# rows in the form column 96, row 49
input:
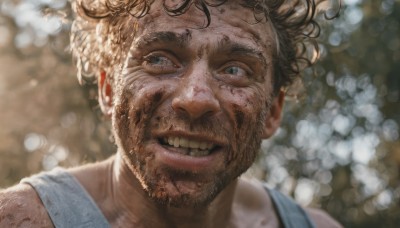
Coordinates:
column 231, row 20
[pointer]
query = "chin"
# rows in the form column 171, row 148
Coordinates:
column 183, row 194
column 179, row 189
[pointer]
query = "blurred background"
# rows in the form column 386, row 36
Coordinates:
column 338, row 147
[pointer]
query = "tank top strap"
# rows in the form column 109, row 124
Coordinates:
column 66, row 201
column 290, row 213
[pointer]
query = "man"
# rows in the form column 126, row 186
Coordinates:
column 192, row 88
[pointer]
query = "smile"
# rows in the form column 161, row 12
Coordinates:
column 189, row 147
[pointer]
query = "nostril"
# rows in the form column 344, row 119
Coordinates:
column 195, row 98
column 181, row 110
column 195, row 108
column 208, row 113
column 177, row 105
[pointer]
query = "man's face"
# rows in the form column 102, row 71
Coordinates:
column 191, row 102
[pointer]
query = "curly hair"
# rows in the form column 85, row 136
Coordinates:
column 103, row 30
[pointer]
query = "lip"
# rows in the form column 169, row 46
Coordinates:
column 218, row 141
column 187, row 163
column 169, row 157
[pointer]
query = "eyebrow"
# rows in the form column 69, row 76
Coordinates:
column 180, row 39
column 233, row 48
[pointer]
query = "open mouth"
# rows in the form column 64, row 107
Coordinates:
column 189, row 147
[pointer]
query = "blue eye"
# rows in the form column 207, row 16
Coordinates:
column 159, row 60
column 160, row 63
column 235, row 73
column 235, row 70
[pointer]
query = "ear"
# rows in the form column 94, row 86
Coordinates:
column 274, row 116
column 105, row 94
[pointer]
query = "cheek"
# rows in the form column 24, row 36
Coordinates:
column 247, row 110
column 244, row 107
column 239, row 115
column 121, row 114
column 136, row 104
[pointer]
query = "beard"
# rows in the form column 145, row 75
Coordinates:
column 133, row 120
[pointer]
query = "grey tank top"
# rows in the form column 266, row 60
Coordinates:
column 69, row 205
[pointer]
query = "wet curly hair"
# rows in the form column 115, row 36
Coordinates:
column 103, row 30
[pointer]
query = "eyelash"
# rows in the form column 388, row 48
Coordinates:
column 238, row 68
column 167, row 64
column 161, row 63
column 152, row 57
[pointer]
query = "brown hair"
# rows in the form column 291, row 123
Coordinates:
column 104, row 29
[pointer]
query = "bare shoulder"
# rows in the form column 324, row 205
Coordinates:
column 322, row 219
column 255, row 198
column 253, row 205
column 20, row 206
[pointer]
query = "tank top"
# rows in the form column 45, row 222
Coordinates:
column 70, row 205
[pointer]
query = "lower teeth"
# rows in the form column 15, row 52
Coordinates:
column 197, row 152
column 194, row 152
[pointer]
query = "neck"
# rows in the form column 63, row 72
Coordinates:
column 132, row 205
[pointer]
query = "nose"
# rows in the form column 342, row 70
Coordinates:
column 195, row 99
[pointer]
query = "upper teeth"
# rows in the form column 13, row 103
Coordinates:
column 191, row 144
